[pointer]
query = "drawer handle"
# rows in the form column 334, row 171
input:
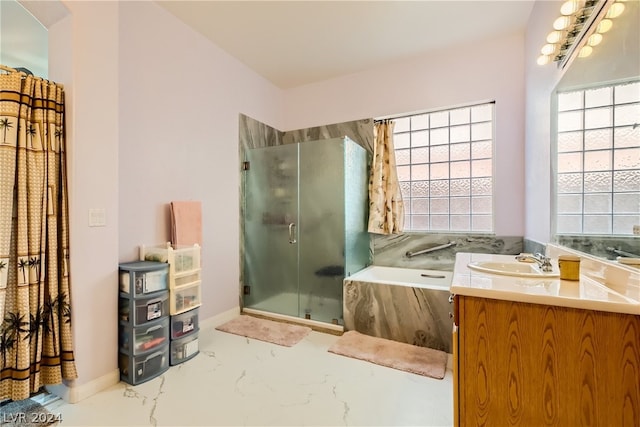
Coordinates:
column 154, row 328
column 151, row 356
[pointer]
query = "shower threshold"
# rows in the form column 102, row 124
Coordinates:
column 313, row 324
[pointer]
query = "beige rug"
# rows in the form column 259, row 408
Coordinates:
column 271, row 331
column 393, row 354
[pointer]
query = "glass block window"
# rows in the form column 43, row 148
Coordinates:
column 445, row 168
column 598, row 173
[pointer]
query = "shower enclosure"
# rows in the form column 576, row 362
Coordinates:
column 304, row 227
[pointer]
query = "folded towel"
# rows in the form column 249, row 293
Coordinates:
column 186, row 223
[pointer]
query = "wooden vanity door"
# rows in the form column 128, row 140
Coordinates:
column 536, row 365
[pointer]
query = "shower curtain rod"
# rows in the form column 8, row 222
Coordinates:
column 24, row 74
column 10, row 70
column 415, row 113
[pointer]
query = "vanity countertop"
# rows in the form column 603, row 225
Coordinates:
column 601, row 286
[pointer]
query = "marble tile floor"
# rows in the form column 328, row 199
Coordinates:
column 236, row 381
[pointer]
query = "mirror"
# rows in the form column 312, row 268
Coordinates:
column 596, row 144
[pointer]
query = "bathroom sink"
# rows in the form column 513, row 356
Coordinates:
column 519, row 269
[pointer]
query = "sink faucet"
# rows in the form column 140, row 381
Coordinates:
column 543, row 261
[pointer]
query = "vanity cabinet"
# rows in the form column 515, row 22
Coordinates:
column 526, row 364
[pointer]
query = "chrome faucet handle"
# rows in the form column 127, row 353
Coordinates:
column 545, row 262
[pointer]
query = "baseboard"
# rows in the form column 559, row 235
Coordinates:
column 71, row 393
column 221, row 318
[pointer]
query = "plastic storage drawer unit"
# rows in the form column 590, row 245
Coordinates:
column 184, row 324
column 184, row 349
column 186, row 278
column 182, row 258
column 146, row 309
column 142, row 339
column 143, row 277
column 184, row 298
column 138, row 369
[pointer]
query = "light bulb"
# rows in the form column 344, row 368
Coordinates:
column 594, row 39
column 548, row 49
column 615, row 10
column 569, row 7
column 585, row 51
column 543, row 60
column 554, row 37
column 561, row 23
column 604, row 26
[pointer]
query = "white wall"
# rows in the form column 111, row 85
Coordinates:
column 23, row 40
column 541, row 80
column 83, row 51
column 490, row 70
column 152, row 117
column 180, row 97
column 160, row 91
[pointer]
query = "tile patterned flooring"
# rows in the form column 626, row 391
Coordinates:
column 236, row 381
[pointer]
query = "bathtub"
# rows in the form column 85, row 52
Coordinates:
column 401, row 304
column 412, row 277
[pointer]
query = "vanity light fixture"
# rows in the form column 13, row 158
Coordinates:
column 570, row 35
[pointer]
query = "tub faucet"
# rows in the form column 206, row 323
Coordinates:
column 543, row 261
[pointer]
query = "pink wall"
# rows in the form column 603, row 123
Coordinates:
column 81, row 53
column 484, row 71
column 541, row 80
column 160, row 91
column 180, row 96
column 152, row 117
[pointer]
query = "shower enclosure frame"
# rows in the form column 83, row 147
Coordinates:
column 307, row 219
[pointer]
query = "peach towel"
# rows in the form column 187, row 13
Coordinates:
column 186, row 223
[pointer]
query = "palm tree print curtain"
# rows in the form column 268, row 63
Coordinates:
column 386, row 208
column 35, row 334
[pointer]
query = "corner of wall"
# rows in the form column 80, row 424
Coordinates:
column 71, row 393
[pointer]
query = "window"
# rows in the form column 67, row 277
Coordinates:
column 598, row 172
column 445, row 168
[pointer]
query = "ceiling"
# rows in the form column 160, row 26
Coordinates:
column 294, row 43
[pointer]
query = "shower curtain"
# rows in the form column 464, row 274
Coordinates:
column 386, row 209
column 36, row 346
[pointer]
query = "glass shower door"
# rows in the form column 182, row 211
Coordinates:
column 322, row 249
column 271, row 230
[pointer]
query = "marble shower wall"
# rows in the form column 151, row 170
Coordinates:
column 391, row 251
column 254, row 134
column 360, row 131
column 602, row 246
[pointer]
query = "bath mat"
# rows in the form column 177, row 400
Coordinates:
column 26, row 413
column 271, row 331
column 405, row 357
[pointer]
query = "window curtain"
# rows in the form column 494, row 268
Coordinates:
column 386, row 209
column 36, row 346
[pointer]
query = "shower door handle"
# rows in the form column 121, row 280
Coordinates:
column 292, row 232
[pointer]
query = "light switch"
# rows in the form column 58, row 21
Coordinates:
column 97, row 217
